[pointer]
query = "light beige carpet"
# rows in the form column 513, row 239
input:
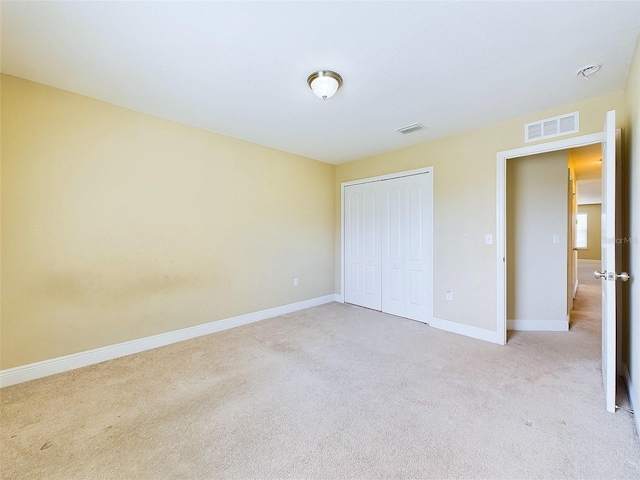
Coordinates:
column 331, row 392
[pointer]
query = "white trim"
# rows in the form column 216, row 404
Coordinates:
column 501, row 211
column 538, row 325
column 406, row 173
column 24, row 373
column 466, row 330
column 338, row 298
column 633, row 401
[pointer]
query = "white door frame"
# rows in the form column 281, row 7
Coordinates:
column 501, row 214
column 406, row 173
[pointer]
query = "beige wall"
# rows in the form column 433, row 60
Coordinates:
column 465, row 204
column 537, row 209
column 117, row 225
column 592, row 252
column 631, row 329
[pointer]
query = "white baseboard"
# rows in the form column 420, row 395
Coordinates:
column 338, row 298
column 633, row 400
column 538, row 325
column 469, row 331
column 32, row 371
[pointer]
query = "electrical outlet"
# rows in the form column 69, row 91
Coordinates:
column 449, row 295
column 295, row 282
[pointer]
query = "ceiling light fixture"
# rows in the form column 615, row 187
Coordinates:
column 589, row 70
column 324, row 83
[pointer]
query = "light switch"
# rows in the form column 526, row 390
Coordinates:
column 556, row 238
column 488, row 239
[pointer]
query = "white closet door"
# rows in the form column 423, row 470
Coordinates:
column 362, row 242
column 407, row 247
column 418, row 256
column 393, row 240
column 371, row 250
column 352, row 234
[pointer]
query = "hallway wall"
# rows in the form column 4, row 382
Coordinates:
column 592, row 252
column 537, row 191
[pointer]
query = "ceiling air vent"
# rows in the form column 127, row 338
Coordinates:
column 410, row 128
column 551, row 127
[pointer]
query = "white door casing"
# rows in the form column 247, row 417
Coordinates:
column 501, row 214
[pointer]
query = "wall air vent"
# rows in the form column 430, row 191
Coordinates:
column 410, row 128
column 552, row 127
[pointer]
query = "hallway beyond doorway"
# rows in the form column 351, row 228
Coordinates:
column 587, row 305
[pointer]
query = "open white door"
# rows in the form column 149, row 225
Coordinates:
column 608, row 271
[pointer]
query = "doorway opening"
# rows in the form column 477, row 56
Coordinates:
column 553, row 205
column 501, row 237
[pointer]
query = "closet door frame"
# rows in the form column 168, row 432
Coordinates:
column 427, row 170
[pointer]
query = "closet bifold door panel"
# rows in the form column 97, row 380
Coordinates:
column 388, row 245
column 362, row 245
column 406, row 247
column 393, row 239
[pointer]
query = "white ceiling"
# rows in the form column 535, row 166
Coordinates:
column 587, row 162
column 240, row 68
column 589, row 192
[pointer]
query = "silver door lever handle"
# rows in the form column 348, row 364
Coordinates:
column 624, row 276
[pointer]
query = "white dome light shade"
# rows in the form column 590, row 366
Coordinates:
column 324, row 83
column 324, row 87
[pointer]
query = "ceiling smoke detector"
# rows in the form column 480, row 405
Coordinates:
column 589, row 70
